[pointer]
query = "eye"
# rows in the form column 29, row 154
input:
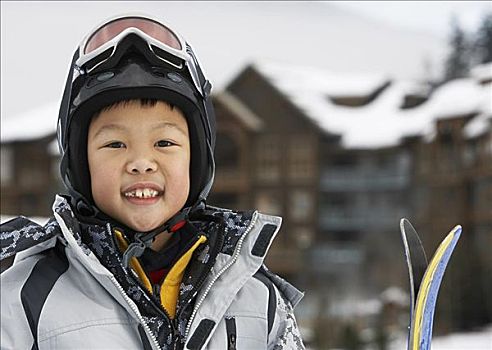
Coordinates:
column 164, row 143
column 115, row 144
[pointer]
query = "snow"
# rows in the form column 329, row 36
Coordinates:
column 315, row 80
column 478, row 340
column 382, row 122
column 478, row 126
column 473, row 340
column 396, row 296
column 34, row 124
column 350, row 308
column 250, row 119
column 457, row 97
column 482, row 72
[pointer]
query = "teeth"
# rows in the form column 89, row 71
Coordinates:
column 142, row 193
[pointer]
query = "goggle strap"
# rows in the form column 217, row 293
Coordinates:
column 206, row 190
column 65, row 103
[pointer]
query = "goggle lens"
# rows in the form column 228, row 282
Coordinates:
column 149, row 27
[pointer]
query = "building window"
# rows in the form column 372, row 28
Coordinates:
column 301, row 205
column 301, row 158
column 226, row 151
column 33, row 177
column 7, row 165
column 268, row 158
column 343, row 160
column 303, row 236
column 338, row 200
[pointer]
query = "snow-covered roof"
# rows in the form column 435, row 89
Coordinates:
column 483, row 72
column 458, row 97
column 478, row 126
column 382, row 122
column 30, row 125
column 316, row 81
column 248, row 117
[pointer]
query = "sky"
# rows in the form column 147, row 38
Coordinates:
column 430, row 16
column 405, row 40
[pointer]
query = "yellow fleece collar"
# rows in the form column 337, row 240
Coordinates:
column 169, row 290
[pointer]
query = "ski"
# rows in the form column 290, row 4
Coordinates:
column 415, row 258
column 420, row 335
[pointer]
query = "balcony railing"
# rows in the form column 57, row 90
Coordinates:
column 353, row 180
column 352, row 219
column 335, row 259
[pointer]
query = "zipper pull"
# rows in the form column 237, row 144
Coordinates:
column 232, row 342
column 231, row 333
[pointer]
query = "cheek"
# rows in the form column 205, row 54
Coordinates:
column 103, row 178
column 180, row 181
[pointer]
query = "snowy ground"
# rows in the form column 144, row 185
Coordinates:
column 481, row 340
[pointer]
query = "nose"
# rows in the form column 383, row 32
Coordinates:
column 141, row 165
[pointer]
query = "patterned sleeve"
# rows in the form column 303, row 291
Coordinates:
column 21, row 233
column 285, row 332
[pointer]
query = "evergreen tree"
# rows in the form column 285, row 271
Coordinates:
column 457, row 63
column 483, row 40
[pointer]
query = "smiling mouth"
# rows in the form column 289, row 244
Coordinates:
column 142, row 193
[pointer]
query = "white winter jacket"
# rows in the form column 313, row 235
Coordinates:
column 58, row 295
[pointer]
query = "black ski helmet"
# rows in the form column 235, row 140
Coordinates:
column 126, row 58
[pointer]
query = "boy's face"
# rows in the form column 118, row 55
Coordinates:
column 139, row 158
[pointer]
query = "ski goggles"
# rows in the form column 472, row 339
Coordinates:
column 161, row 46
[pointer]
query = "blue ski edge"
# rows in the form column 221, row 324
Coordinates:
column 429, row 308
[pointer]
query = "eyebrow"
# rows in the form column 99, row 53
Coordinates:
column 109, row 127
column 118, row 127
column 165, row 125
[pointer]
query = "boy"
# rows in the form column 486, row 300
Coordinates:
column 133, row 257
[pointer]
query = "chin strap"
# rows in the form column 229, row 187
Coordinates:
column 143, row 240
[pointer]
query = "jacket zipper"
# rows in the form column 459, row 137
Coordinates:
column 156, row 289
column 136, row 311
column 153, row 300
column 231, row 333
column 232, row 261
column 202, row 279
